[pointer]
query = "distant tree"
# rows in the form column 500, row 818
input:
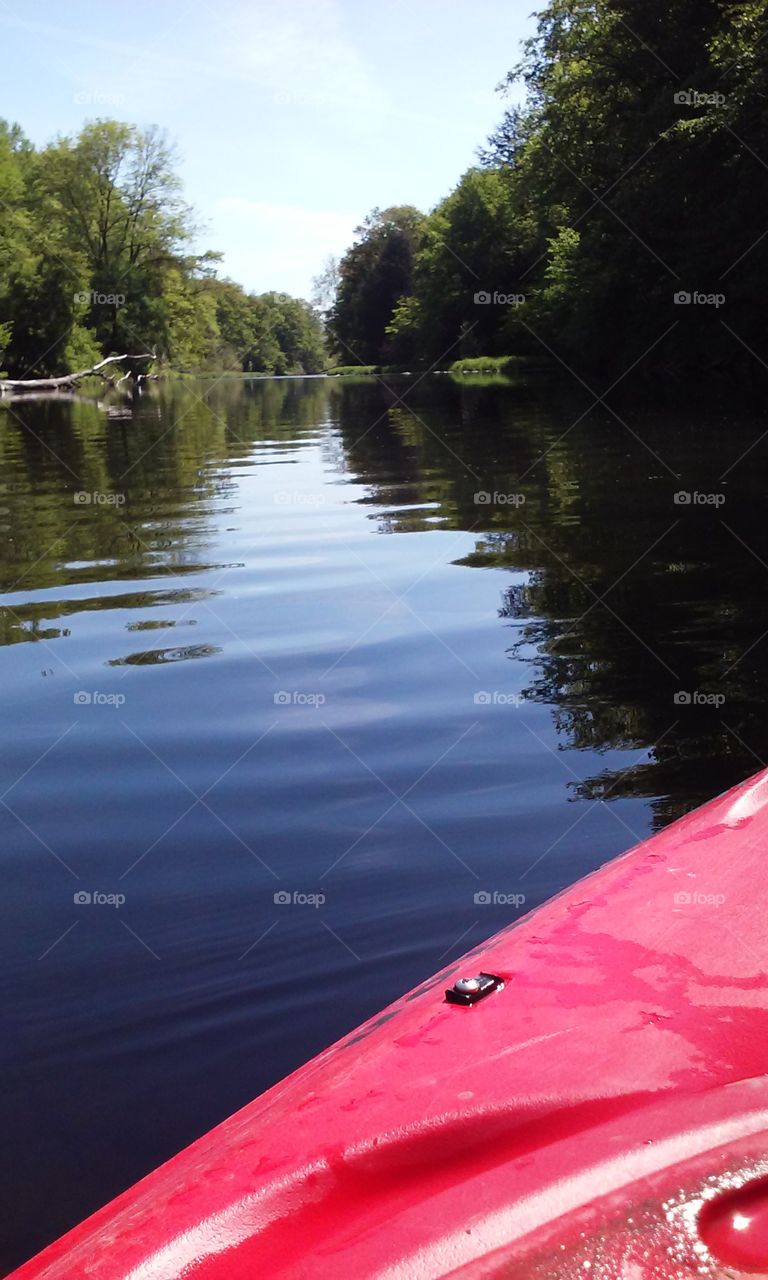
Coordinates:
column 635, row 170
column 471, row 243
column 238, row 325
column 17, row 258
column 373, row 275
column 324, row 287
column 297, row 332
column 114, row 192
column 634, row 163
column 95, row 257
column 267, row 333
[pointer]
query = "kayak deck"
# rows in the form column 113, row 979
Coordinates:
column 611, row 1081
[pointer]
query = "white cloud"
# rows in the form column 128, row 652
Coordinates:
column 279, row 246
column 300, row 53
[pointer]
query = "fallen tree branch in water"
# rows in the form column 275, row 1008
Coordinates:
column 69, row 381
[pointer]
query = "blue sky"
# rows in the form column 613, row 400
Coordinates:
column 292, row 119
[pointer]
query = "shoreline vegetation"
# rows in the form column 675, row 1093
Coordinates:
column 505, row 365
column 612, row 225
column 97, row 257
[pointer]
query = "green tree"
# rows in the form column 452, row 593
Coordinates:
column 17, row 260
column 95, row 257
column 114, row 193
column 643, row 133
column 373, row 275
column 324, row 287
column 471, row 244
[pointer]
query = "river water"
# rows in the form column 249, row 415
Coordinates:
column 309, row 686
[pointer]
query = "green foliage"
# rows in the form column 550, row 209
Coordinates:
column 637, row 162
column 268, row 332
column 95, row 258
column 292, row 330
column 470, row 244
column 636, row 169
column 81, row 350
column 486, row 364
column 324, row 286
column 372, row 276
column 5, row 337
column 191, row 330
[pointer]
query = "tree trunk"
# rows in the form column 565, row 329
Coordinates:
column 69, row 380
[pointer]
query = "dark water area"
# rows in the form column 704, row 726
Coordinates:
column 296, row 676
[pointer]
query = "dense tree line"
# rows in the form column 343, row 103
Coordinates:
column 96, row 256
column 634, row 178
column 373, row 275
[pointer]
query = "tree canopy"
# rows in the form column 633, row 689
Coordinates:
column 97, row 255
column 625, row 201
column 616, row 218
column 372, row 276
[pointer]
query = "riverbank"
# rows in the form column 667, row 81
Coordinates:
column 471, row 364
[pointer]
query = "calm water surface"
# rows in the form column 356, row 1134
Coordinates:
column 283, row 650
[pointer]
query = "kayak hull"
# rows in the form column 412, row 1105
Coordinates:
column 583, row 1111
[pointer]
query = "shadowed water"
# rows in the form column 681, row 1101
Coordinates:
column 308, row 688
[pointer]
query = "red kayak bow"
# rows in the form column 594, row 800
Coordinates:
column 583, row 1094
